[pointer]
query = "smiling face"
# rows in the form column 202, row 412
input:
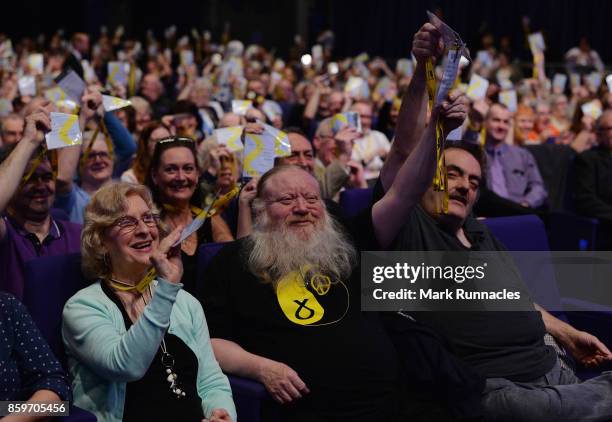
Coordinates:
column 34, row 199
column 176, row 176
column 464, row 177
column 133, row 238
column 228, row 174
column 98, row 167
column 293, row 202
column 301, row 153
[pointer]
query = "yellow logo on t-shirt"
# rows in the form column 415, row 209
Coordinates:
column 298, row 304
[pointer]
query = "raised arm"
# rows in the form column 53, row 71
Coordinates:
column 412, row 117
column 68, row 158
column 415, row 175
column 124, row 143
column 12, row 169
column 310, row 111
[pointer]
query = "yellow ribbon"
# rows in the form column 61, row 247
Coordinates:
column 440, row 180
column 107, row 139
column 142, row 284
column 36, row 162
column 132, row 81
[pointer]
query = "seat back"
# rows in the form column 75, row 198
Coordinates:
column 353, row 201
column 555, row 163
column 49, row 282
column 569, row 232
column 206, row 253
column 527, row 233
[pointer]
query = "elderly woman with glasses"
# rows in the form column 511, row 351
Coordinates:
column 138, row 346
column 173, row 179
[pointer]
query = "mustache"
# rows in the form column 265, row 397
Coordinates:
column 458, row 197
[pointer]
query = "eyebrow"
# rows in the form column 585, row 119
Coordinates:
column 462, row 172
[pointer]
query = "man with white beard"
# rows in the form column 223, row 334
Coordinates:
column 283, row 304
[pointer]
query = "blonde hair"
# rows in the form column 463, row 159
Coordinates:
column 104, row 208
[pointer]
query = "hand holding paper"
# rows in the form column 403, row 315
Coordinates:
column 91, row 101
column 427, row 42
column 65, row 131
column 114, row 103
column 36, row 123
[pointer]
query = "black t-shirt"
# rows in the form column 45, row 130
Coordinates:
column 345, row 358
column 190, row 262
column 506, row 344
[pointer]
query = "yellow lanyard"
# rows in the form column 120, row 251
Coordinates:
column 132, row 80
column 440, row 180
column 140, row 287
column 107, row 139
column 39, row 158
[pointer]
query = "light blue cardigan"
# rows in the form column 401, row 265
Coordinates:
column 103, row 357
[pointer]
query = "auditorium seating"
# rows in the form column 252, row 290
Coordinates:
column 352, row 201
column 527, row 233
column 50, row 282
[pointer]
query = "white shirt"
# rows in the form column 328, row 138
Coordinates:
column 366, row 149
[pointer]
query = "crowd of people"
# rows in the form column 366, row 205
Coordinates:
column 152, row 335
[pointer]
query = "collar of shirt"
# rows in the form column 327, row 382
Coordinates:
column 54, row 229
column 500, row 149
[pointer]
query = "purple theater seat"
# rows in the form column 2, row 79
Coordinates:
column 353, row 201
column 50, row 282
column 527, row 233
column 570, row 232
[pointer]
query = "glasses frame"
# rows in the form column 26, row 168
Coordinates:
column 125, row 230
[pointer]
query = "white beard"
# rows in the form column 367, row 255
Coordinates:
column 275, row 252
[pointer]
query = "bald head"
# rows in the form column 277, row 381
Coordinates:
column 230, row 119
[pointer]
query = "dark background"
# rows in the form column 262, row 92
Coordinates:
column 381, row 27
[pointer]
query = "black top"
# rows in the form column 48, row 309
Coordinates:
column 150, row 398
column 190, row 262
column 346, row 359
column 497, row 344
column 593, row 191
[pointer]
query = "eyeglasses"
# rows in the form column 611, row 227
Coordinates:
column 100, row 154
column 127, row 224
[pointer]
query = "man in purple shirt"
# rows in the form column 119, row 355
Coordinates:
column 512, row 172
column 27, row 230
